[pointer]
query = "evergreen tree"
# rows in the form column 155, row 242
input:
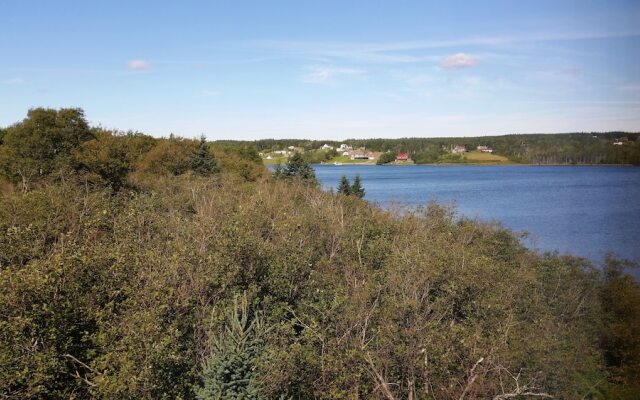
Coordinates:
column 356, row 188
column 230, row 371
column 202, row 162
column 297, row 167
column 344, row 187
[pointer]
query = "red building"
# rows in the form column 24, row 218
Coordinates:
column 402, row 157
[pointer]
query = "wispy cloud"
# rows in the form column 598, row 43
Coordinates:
column 459, row 60
column 405, row 51
column 327, row 74
column 139, row 65
column 210, row 93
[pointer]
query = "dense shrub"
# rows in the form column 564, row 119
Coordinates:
column 115, row 296
column 118, row 293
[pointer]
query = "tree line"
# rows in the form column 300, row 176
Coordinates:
column 136, row 267
column 591, row 148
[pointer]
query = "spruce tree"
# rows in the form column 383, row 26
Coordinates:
column 298, row 168
column 344, row 187
column 202, row 162
column 356, row 188
column 230, row 371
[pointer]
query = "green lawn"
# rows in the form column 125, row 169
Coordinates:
column 476, row 157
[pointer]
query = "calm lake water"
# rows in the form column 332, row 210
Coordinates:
column 585, row 211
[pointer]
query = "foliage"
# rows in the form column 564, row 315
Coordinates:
column 318, row 156
column 118, row 294
column 235, row 162
column 168, row 157
column 202, row 162
column 344, row 187
column 230, row 370
column 297, row 168
column 386, row 158
column 42, row 143
column 621, row 318
column 357, row 189
column 107, row 159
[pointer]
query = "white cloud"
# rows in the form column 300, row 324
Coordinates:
column 459, row 60
column 14, row 81
column 326, row 74
column 139, row 65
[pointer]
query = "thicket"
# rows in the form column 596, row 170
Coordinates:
column 175, row 285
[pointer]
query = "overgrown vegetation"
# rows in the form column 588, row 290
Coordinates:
column 121, row 269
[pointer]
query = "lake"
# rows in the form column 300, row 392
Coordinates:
column 585, row 211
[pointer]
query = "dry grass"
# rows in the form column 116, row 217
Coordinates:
column 479, row 157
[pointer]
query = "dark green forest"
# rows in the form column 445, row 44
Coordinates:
column 133, row 267
column 545, row 149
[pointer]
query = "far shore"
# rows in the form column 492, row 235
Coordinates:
column 476, row 165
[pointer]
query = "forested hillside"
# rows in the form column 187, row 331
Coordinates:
column 570, row 148
column 134, row 267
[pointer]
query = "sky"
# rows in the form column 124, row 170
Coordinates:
column 326, row 69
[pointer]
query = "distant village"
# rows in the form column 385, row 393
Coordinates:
column 346, row 152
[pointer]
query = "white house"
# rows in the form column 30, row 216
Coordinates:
column 459, row 149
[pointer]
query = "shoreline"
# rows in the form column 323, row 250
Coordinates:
column 480, row 165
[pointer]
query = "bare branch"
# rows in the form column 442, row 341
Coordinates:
column 382, row 383
column 472, row 378
column 77, row 373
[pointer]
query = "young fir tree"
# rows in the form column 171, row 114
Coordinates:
column 230, row 371
column 344, row 187
column 356, row 188
column 298, row 168
column 202, row 162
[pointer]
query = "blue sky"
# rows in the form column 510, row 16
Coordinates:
column 326, row 69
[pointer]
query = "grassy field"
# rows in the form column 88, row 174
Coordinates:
column 477, row 157
column 275, row 160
